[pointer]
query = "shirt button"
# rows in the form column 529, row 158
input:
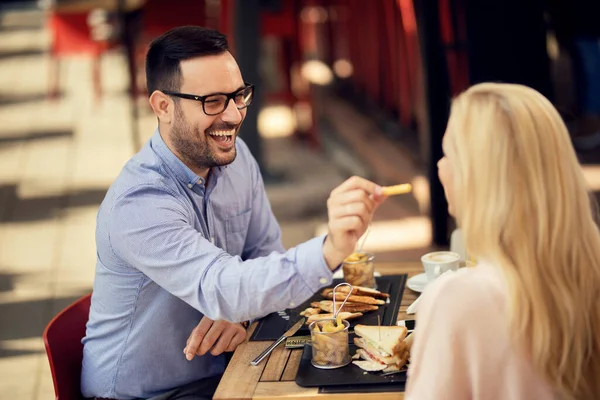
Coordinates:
column 190, row 185
column 292, row 304
column 322, row 281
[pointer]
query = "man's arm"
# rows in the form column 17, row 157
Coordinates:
column 149, row 230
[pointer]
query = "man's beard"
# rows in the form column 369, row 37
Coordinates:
column 192, row 144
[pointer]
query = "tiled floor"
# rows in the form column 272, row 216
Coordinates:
column 56, row 161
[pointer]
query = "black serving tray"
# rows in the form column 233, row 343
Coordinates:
column 345, row 379
column 274, row 325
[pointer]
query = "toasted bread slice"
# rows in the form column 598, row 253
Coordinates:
column 342, row 315
column 404, row 359
column 310, row 311
column 327, row 306
column 363, row 291
column 355, row 299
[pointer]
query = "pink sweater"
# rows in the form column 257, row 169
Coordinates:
column 461, row 348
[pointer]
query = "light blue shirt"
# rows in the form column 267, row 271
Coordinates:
column 172, row 248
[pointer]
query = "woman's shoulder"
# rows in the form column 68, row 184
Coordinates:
column 473, row 289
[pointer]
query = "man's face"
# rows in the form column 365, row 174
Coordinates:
column 204, row 141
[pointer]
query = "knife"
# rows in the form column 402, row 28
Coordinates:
column 287, row 334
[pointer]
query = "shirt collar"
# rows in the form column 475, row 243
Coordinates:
column 183, row 173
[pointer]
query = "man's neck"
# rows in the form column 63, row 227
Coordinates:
column 201, row 172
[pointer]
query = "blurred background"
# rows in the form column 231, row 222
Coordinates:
column 344, row 87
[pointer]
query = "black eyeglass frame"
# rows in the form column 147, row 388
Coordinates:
column 201, row 99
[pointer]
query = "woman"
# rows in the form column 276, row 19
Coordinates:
column 525, row 323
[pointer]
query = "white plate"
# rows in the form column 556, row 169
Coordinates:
column 339, row 274
column 417, row 282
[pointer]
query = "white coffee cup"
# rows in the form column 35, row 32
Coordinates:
column 438, row 262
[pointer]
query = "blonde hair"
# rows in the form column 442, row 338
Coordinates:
column 523, row 204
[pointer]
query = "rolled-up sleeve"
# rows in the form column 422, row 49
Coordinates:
column 162, row 245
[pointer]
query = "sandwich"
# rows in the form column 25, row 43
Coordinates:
column 381, row 348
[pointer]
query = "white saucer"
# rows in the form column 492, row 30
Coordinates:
column 339, row 274
column 417, row 282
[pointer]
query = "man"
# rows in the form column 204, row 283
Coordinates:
column 186, row 234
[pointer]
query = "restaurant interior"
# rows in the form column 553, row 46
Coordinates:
column 343, row 88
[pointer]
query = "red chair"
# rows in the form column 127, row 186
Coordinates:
column 70, row 35
column 62, row 338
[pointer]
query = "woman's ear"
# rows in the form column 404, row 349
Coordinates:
column 163, row 106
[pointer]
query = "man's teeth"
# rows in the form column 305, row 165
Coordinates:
column 222, row 133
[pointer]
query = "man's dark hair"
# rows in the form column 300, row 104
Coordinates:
column 182, row 43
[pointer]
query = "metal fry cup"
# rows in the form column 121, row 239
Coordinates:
column 330, row 350
column 361, row 272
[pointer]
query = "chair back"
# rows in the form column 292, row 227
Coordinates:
column 62, row 338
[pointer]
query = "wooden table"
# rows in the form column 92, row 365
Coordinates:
column 274, row 378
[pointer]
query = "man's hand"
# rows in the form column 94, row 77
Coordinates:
column 216, row 336
column 350, row 208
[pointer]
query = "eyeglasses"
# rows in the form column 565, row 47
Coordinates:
column 216, row 103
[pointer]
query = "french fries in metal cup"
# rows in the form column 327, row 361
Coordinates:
column 329, row 340
column 359, row 270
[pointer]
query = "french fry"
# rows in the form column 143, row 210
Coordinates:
column 330, row 327
column 356, row 257
column 397, row 189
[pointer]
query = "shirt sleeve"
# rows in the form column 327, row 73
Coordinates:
column 149, row 230
column 456, row 350
column 266, row 233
